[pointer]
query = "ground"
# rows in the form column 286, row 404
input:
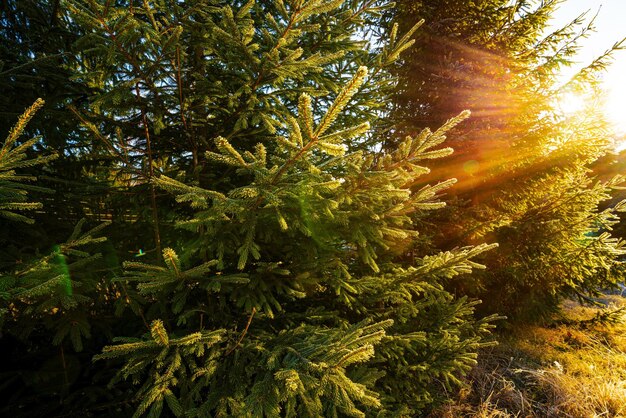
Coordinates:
column 574, row 367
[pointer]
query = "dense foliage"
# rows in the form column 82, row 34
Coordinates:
column 235, row 208
column 266, row 243
column 523, row 163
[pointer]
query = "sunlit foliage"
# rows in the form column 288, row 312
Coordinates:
column 523, row 159
column 261, row 256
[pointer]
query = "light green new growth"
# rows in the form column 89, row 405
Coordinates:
column 14, row 194
column 340, row 102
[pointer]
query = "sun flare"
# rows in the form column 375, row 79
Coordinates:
column 570, row 103
column 613, row 102
column 615, row 106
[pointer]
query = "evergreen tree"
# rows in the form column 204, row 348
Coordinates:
column 36, row 39
column 523, row 163
column 289, row 291
column 48, row 294
column 263, row 207
column 14, row 193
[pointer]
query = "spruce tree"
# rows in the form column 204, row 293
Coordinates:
column 524, row 164
column 293, row 286
column 48, row 293
column 14, row 191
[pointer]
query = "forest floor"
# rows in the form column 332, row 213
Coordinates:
column 575, row 367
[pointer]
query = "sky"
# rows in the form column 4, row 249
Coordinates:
column 610, row 27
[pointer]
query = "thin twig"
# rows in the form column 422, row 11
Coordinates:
column 243, row 334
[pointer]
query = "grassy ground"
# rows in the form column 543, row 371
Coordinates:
column 570, row 369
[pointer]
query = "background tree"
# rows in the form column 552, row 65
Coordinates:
column 51, row 297
column 522, row 163
column 35, row 59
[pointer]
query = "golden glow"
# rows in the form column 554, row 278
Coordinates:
column 570, row 103
column 615, row 106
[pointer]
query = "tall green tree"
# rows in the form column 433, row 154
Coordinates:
column 49, row 299
column 274, row 267
column 287, row 298
column 523, row 164
column 36, row 39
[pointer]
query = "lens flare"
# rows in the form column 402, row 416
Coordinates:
column 471, row 167
column 63, row 269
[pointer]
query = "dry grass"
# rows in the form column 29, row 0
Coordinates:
column 557, row 371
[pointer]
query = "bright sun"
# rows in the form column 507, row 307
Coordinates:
column 570, row 103
column 615, row 106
